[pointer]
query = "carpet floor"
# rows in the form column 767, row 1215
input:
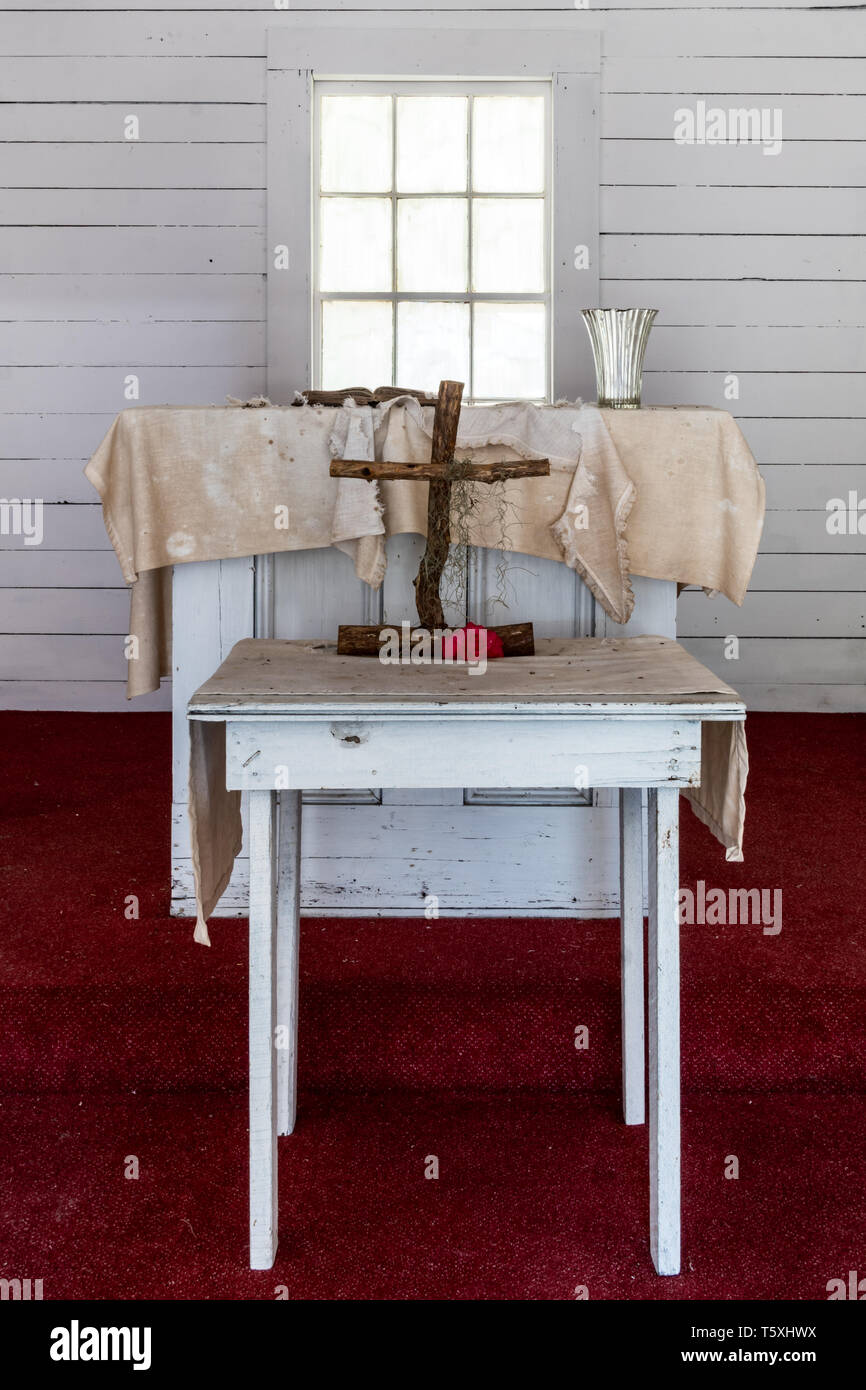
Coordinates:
column 451, row 1039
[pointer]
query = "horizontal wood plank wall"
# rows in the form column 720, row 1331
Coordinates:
column 147, row 258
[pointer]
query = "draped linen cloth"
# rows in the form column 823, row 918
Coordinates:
column 598, row 669
column 204, row 483
column 668, row 492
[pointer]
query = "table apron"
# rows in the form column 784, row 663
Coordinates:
column 620, row 751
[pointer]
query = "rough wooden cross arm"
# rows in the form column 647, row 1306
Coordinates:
column 462, row 472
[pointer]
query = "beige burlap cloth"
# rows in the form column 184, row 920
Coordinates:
column 181, row 483
column 634, row 668
column 668, row 492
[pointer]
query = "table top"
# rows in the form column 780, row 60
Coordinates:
column 648, row 675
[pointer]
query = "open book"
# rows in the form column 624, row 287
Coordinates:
column 362, row 395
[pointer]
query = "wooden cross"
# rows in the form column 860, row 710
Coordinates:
column 442, row 471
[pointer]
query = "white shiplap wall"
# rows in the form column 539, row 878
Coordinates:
column 148, row 258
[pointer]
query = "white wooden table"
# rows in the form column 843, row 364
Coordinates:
column 315, row 726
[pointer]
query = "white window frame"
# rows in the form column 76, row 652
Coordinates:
column 453, row 87
column 557, row 48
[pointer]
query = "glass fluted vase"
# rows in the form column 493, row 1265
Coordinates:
column 619, row 339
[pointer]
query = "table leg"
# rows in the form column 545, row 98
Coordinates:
column 664, row 1029
column 288, row 934
column 263, row 1012
column 631, row 955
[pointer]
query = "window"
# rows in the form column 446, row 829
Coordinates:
column 432, row 236
column 447, row 112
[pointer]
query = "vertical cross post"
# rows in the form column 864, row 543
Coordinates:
column 435, row 557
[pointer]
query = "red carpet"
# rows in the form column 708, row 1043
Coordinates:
column 451, row 1038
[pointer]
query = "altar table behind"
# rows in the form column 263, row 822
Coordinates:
column 164, row 461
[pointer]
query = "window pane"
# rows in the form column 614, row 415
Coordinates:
column 432, row 244
column 431, row 144
column 355, row 244
column 356, row 144
column 356, row 343
column 432, row 344
column 508, row 145
column 510, row 351
column 508, row 245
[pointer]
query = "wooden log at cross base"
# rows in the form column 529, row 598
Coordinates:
column 366, row 639
column 440, row 473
